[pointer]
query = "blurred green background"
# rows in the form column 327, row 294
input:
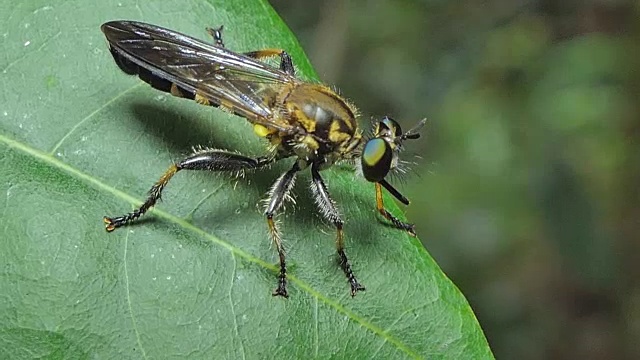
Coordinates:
column 527, row 187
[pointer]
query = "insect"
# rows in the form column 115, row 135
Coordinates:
column 307, row 122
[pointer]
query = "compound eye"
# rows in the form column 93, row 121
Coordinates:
column 391, row 125
column 376, row 159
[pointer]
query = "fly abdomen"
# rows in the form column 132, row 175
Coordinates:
column 159, row 83
column 129, row 67
column 156, row 82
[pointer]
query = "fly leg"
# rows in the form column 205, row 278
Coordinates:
column 286, row 64
column 277, row 196
column 211, row 160
column 387, row 215
column 216, row 34
column 330, row 212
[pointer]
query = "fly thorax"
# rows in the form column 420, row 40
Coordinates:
column 327, row 118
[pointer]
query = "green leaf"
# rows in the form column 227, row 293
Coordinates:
column 81, row 140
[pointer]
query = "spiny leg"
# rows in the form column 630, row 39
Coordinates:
column 330, row 212
column 387, row 215
column 286, row 64
column 278, row 194
column 212, row 160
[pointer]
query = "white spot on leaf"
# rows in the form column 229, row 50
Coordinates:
column 44, row 8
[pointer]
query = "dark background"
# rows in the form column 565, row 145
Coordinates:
column 527, row 187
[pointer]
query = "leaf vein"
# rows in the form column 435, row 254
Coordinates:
column 233, row 310
column 45, row 43
column 100, row 185
column 128, row 292
column 316, row 332
column 88, row 117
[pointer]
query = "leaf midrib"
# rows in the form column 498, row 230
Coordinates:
column 74, row 172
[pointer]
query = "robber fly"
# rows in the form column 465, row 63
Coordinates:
column 308, row 122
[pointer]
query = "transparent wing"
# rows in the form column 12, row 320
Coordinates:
column 244, row 85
